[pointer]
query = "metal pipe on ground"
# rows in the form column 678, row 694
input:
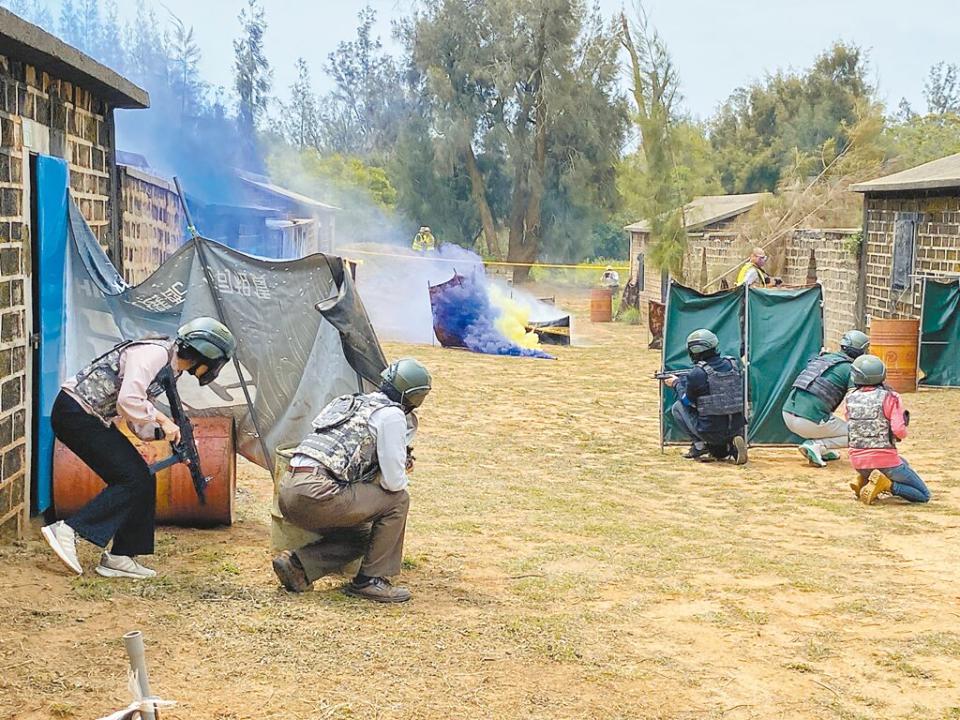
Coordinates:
column 133, row 643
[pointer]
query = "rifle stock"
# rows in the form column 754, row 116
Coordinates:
column 184, row 451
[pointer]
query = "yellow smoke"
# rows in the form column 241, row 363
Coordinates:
column 513, row 319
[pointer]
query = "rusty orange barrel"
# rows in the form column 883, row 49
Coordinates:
column 601, row 305
column 75, row 484
column 895, row 342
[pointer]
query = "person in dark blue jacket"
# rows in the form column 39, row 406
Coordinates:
column 710, row 405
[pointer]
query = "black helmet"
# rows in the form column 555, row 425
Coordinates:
column 854, row 343
column 702, row 343
column 407, row 382
column 212, row 341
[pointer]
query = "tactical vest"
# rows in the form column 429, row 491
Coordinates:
column 868, row 427
column 342, row 440
column 98, row 384
column 725, row 391
column 812, row 380
column 747, row 267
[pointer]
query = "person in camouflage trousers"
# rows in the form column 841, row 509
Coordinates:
column 347, row 482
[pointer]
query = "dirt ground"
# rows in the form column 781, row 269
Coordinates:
column 562, row 567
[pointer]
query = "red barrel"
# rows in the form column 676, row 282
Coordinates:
column 601, row 305
column 75, row 484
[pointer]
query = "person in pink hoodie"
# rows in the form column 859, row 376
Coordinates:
column 877, row 421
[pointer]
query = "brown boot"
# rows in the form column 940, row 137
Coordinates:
column 378, row 590
column 290, row 572
column 858, row 484
column 881, row 484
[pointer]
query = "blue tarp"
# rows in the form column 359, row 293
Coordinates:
column 51, row 238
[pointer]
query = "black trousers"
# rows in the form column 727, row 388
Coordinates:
column 124, row 510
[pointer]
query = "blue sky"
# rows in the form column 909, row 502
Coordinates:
column 718, row 45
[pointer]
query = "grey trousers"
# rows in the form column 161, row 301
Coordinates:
column 355, row 520
column 828, row 435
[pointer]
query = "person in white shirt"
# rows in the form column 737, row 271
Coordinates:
column 347, row 482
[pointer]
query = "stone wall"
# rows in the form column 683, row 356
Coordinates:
column 831, row 258
column 937, row 249
column 43, row 114
column 802, row 257
column 152, row 221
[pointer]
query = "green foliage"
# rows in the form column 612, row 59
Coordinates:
column 363, row 114
column 630, row 316
column 345, row 180
column 521, row 98
column 252, row 74
column 922, row 138
column 760, row 131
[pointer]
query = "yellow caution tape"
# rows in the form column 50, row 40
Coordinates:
column 504, row 263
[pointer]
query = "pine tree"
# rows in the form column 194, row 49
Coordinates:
column 253, row 77
column 300, row 118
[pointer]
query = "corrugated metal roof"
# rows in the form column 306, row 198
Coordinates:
column 28, row 43
column 708, row 209
column 937, row 174
column 284, row 193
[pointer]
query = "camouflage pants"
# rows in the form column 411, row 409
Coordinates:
column 355, row 520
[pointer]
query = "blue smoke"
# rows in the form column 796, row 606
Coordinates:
column 465, row 312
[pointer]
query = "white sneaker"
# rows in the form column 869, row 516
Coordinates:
column 63, row 540
column 123, row 566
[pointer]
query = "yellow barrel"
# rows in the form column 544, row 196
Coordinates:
column 895, row 342
column 75, row 484
column 601, row 305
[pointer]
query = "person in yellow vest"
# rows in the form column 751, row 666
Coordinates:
column 753, row 273
column 424, row 240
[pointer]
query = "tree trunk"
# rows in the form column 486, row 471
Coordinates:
column 479, row 192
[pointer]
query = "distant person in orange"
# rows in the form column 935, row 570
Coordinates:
column 753, row 273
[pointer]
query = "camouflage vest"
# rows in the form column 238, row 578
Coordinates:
column 98, row 384
column 725, row 391
column 342, row 440
column 868, row 427
column 812, row 380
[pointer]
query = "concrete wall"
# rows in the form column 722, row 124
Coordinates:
column 937, row 248
column 42, row 114
column 152, row 221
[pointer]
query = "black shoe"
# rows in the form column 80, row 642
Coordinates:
column 377, row 589
column 290, row 572
column 693, row 452
column 739, row 450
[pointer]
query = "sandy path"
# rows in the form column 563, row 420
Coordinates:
column 562, row 568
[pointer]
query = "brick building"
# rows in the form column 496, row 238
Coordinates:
column 708, row 216
column 54, row 100
column 715, row 249
column 911, row 228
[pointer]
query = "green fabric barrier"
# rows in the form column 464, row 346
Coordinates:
column 784, row 331
column 689, row 310
column 940, row 334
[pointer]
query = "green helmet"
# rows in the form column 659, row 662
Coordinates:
column 407, row 382
column 700, row 342
column 868, row 370
column 854, row 343
column 212, row 340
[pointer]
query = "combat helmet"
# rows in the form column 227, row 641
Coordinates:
column 854, row 343
column 407, row 382
column 702, row 342
column 868, row 370
column 210, row 339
